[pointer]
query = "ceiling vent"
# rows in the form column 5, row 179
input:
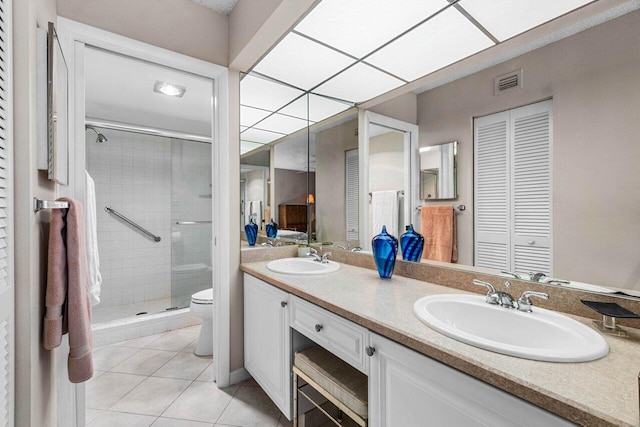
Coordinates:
column 507, row 82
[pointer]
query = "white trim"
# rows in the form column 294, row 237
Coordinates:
column 411, row 159
column 74, row 37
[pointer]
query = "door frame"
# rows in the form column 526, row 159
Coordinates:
column 74, row 36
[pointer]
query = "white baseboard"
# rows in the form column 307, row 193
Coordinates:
column 239, row 375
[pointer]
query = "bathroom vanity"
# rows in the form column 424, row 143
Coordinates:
column 417, row 376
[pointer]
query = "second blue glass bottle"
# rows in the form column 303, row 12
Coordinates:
column 251, row 230
column 385, row 250
column 411, row 244
column 272, row 229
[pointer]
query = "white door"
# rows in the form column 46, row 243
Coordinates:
column 267, row 340
column 513, row 189
column 409, row 389
column 352, row 181
column 7, row 304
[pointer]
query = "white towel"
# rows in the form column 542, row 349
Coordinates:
column 384, row 207
column 93, row 259
column 255, row 212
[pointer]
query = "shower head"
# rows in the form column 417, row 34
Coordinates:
column 101, row 138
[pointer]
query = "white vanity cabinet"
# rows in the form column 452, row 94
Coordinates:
column 409, row 389
column 267, row 340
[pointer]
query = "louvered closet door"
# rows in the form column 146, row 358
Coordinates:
column 7, row 306
column 531, row 181
column 491, row 189
column 352, row 187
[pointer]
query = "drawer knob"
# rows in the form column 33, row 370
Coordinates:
column 283, row 303
column 370, row 350
column 318, row 327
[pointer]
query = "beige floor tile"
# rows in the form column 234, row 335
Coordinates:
column 144, row 362
column 249, row 383
column 202, row 401
column 207, row 375
column 191, row 347
column 172, row 422
column 109, row 356
column 250, row 407
column 91, row 414
column 110, row 419
column 186, row 366
column 152, row 396
column 140, row 342
column 109, row 387
column 284, row 422
column 174, row 340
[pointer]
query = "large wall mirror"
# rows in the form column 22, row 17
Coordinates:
column 593, row 187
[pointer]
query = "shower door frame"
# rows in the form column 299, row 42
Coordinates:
column 74, row 38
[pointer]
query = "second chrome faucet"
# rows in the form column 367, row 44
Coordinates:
column 504, row 299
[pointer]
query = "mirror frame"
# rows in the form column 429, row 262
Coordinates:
column 411, row 159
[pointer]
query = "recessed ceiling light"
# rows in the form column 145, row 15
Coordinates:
column 169, row 89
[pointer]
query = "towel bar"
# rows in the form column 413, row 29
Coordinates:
column 458, row 208
column 39, row 205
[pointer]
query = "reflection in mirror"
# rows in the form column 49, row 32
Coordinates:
column 438, row 174
column 254, row 188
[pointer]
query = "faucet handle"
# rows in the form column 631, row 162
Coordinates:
column 491, row 296
column 507, row 285
column 524, row 303
column 325, row 257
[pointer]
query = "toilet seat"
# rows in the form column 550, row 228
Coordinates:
column 203, row 297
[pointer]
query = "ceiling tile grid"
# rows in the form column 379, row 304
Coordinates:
column 356, row 50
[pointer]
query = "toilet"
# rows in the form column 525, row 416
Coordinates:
column 202, row 306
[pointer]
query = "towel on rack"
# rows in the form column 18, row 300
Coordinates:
column 255, row 212
column 384, row 207
column 93, row 258
column 68, row 308
column 439, row 231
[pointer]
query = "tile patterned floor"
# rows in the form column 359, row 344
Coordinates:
column 158, row 381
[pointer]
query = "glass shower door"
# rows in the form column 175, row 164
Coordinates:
column 190, row 220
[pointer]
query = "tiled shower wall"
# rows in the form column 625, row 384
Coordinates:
column 132, row 173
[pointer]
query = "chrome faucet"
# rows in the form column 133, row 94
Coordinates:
column 524, row 303
column 314, row 254
column 510, row 273
column 356, row 249
column 537, row 277
column 504, row 299
column 325, row 258
column 272, row 243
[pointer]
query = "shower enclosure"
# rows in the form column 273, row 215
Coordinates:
column 154, row 241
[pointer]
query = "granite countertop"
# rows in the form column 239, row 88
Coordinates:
column 603, row 392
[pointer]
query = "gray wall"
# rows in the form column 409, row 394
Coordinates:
column 594, row 81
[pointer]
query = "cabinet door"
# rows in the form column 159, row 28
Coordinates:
column 267, row 340
column 409, row 389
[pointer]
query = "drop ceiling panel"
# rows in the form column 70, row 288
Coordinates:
column 507, row 18
column 359, row 83
column 265, row 94
column 301, row 62
column 358, row 27
column 282, row 124
column 249, row 116
column 319, row 107
column 260, row 136
column 246, row 146
column 442, row 40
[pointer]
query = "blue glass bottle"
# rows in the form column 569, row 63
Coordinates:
column 385, row 250
column 411, row 244
column 251, row 230
column 272, row 229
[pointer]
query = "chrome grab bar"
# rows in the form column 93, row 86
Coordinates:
column 108, row 209
column 192, row 222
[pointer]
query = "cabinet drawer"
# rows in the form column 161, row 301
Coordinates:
column 340, row 336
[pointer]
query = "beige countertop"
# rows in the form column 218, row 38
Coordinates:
column 599, row 393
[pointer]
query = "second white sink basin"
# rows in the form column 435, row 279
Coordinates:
column 302, row 266
column 540, row 335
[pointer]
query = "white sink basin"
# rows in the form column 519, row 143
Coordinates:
column 302, row 266
column 540, row 335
